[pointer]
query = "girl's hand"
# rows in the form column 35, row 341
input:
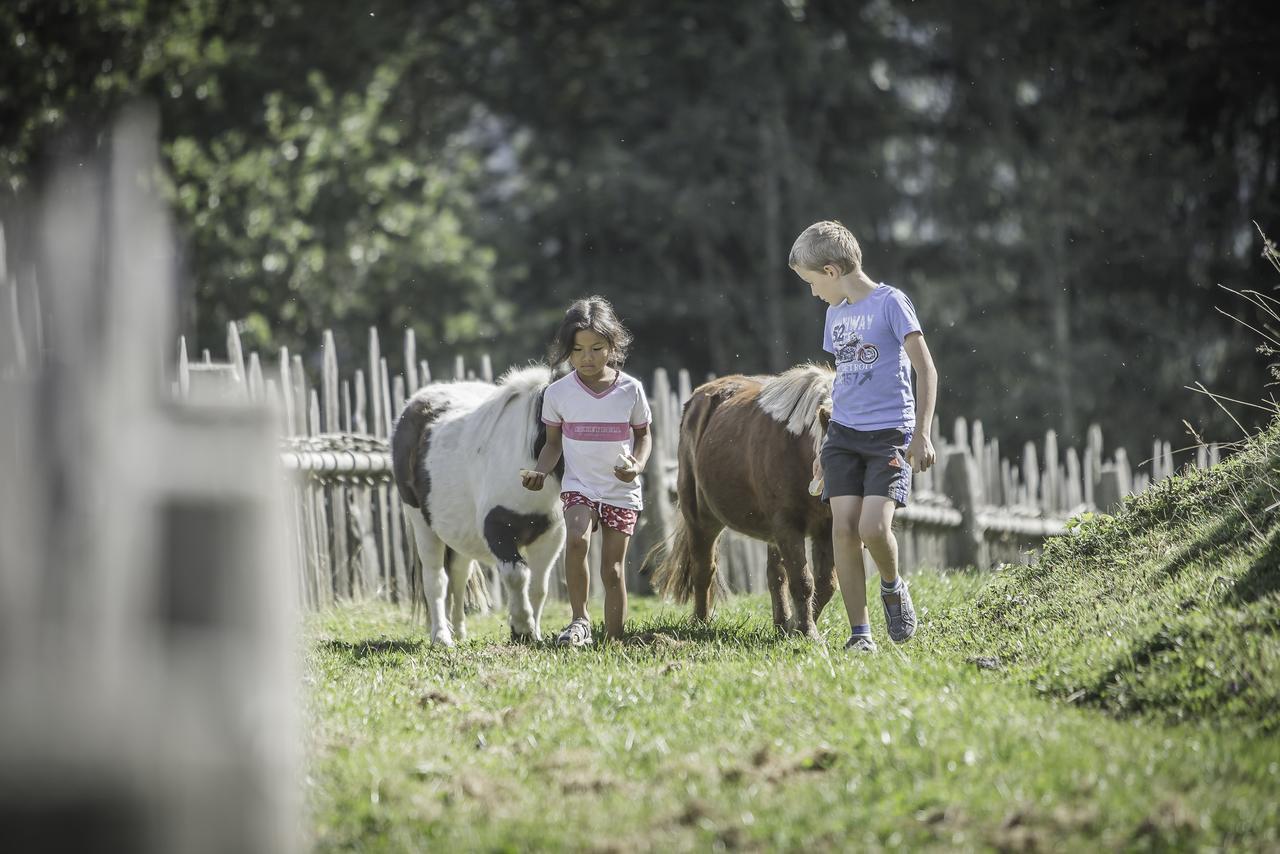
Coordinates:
column 626, row 473
column 532, row 480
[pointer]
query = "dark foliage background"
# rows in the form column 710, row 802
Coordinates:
column 1061, row 186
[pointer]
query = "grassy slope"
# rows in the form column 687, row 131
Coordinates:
column 1170, row 610
column 1132, row 702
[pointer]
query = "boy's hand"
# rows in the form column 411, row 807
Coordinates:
column 532, row 479
column 815, row 485
column 920, row 453
column 626, row 473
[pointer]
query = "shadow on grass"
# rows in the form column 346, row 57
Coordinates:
column 363, row 649
column 1208, row 548
column 1263, row 577
column 667, row 634
column 742, row 632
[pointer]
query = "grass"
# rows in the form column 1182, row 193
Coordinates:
column 730, row 737
column 1169, row 610
column 1123, row 692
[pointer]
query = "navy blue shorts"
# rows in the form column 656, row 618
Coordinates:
column 866, row 462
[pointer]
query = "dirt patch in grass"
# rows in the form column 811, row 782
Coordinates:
column 1030, row 829
column 1170, row 824
column 767, row 766
column 657, row 640
column 433, row 698
column 482, row 720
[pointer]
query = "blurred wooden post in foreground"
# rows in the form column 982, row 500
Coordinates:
column 146, row 602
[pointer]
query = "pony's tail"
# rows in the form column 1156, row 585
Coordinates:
column 673, row 576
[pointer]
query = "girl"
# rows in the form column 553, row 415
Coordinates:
column 598, row 417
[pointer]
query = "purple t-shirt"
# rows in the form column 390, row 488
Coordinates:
column 872, row 388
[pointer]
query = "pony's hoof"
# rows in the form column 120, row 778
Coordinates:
column 442, row 640
column 525, row 637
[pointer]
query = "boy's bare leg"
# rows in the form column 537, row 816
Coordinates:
column 613, row 556
column 875, row 527
column 846, row 512
column 578, row 520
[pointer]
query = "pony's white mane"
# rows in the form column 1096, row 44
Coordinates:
column 517, row 384
column 792, row 398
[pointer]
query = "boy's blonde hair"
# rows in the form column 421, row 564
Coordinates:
column 826, row 242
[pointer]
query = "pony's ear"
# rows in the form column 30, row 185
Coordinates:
column 824, row 414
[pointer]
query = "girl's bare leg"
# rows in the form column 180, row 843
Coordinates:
column 613, row 556
column 578, row 520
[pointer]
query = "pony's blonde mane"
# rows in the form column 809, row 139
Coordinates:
column 517, row 384
column 792, row 398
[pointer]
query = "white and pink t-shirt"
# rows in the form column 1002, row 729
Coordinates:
column 596, row 428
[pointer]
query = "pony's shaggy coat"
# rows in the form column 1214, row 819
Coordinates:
column 457, row 450
column 747, row 446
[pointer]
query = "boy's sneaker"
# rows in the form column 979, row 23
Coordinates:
column 899, row 613
column 860, row 643
column 577, row 634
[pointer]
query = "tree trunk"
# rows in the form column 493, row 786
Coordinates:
column 1058, row 298
column 772, row 294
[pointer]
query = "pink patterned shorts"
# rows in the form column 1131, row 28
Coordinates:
column 621, row 519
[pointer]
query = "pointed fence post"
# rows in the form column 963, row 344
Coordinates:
column 411, row 361
column 1031, row 474
column 235, row 355
column 286, row 394
column 184, row 369
column 346, row 406
column 967, row 546
column 255, row 377
column 19, row 347
column 375, row 390
column 1052, row 479
column 299, row 377
column 995, row 473
column 1075, row 489
column 1109, row 492
column 359, row 421
column 1092, row 465
column 329, row 382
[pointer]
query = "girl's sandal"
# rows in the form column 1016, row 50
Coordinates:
column 577, row 634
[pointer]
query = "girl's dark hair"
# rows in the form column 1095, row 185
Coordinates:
column 594, row 313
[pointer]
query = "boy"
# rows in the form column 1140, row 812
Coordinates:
column 877, row 436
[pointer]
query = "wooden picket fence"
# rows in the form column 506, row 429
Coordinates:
column 976, row 507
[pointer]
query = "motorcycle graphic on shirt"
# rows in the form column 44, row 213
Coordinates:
column 853, row 354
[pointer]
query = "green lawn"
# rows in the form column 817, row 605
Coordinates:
column 697, row 738
column 1122, row 693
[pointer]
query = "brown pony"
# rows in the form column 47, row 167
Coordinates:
column 747, row 446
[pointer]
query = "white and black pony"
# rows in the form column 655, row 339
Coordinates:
column 457, row 450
